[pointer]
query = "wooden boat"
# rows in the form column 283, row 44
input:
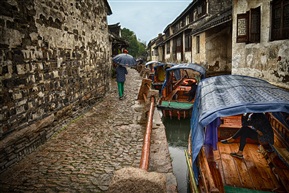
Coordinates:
column 218, row 107
column 175, row 93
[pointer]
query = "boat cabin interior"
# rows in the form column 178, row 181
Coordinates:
column 261, row 169
column 179, row 90
column 159, row 76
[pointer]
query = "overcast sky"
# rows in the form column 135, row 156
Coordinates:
column 146, row 18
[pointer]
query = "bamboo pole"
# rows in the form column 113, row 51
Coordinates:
column 191, row 173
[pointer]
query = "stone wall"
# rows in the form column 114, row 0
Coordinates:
column 54, row 63
column 268, row 60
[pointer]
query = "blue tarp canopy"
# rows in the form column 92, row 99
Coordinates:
column 191, row 66
column 229, row 95
column 177, row 67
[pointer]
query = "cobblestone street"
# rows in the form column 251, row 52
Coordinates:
column 83, row 156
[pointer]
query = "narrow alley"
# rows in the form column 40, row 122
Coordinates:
column 83, row 156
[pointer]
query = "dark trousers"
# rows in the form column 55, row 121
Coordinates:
column 244, row 133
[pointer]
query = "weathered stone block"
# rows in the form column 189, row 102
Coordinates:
column 137, row 180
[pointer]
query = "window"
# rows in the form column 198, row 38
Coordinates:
column 168, row 47
column 280, row 19
column 156, row 53
column 179, row 44
column 167, row 33
column 188, row 42
column 187, row 20
column 200, row 10
column 197, row 44
column 248, row 26
column 183, row 22
column 191, row 17
column 255, row 24
column 242, row 28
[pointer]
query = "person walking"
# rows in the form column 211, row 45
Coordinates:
column 121, row 72
column 255, row 126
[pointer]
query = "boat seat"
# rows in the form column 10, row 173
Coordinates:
column 231, row 122
column 179, row 88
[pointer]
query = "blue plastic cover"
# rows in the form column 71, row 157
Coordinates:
column 192, row 66
column 176, row 68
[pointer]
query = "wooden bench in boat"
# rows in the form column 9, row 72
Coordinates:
column 229, row 125
column 177, row 89
column 231, row 122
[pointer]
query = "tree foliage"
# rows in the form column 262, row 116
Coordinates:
column 136, row 48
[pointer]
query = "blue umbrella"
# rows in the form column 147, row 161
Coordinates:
column 124, row 60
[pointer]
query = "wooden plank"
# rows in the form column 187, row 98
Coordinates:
column 217, row 177
column 264, row 178
column 241, row 167
column 214, row 168
column 251, row 168
column 231, row 122
column 171, row 95
column 283, row 176
column 231, row 176
column 203, row 160
column 218, row 160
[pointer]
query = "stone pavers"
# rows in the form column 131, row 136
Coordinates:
column 85, row 154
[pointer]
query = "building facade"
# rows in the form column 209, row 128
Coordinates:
column 200, row 34
column 260, row 40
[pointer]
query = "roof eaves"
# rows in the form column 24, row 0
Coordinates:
column 214, row 21
column 182, row 14
column 108, row 10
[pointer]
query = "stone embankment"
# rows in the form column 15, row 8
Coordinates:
column 85, row 154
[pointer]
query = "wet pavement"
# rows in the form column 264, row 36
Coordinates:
column 83, row 156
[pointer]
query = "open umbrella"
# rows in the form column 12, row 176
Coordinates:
column 124, row 60
column 152, row 62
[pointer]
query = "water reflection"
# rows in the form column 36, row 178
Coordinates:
column 177, row 132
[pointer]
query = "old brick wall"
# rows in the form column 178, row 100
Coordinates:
column 54, row 63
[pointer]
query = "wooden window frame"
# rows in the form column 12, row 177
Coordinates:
column 156, row 52
column 168, row 46
column 255, row 25
column 281, row 31
column 188, row 42
column 179, row 44
column 248, row 26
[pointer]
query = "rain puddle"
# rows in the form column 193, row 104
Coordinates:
column 177, row 132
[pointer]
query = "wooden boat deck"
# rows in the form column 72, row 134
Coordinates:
column 252, row 172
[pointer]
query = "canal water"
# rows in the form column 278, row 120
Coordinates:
column 177, row 132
